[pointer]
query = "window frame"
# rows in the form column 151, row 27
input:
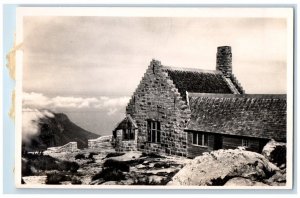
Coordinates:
column 153, row 131
column 204, row 139
column 127, row 134
column 245, row 142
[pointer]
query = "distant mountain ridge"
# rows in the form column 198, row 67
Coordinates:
column 57, row 131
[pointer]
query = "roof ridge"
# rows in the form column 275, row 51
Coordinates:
column 266, row 96
column 191, row 69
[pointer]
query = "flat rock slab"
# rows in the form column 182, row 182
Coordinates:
column 131, row 155
column 35, row 179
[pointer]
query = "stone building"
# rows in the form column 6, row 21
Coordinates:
column 185, row 111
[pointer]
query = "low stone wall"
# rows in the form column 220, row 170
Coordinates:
column 69, row 147
column 100, row 142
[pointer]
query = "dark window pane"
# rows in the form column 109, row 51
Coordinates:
column 158, row 136
column 124, row 134
column 153, row 130
column 131, row 134
column 153, row 136
column 200, row 139
column 205, row 139
column 149, row 131
column 194, row 138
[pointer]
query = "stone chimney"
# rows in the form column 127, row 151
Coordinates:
column 224, row 60
column 155, row 65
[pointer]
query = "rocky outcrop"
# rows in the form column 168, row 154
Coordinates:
column 219, row 167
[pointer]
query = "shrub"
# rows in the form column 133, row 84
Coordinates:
column 109, row 174
column 79, row 156
column 91, row 161
column 118, row 165
column 152, row 155
column 162, row 165
column 68, row 166
column 40, row 162
column 56, row 178
column 278, row 155
column 45, row 162
column 114, row 155
column 76, row 181
column 91, row 155
column 26, row 170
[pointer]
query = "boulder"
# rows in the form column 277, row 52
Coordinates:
column 240, row 181
column 217, row 167
column 275, row 152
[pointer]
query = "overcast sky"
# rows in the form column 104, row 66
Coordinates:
column 95, row 63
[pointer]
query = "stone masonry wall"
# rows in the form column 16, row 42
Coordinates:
column 157, row 98
column 69, row 147
column 125, row 145
column 100, row 141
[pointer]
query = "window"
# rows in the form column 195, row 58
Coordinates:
column 128, row 134
column 245, row 142
column 153, row 128
column 200, row 139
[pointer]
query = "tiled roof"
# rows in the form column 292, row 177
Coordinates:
column 196, row 80
column 262, row 116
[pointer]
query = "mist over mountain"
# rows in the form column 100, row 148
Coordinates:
column 52, row 129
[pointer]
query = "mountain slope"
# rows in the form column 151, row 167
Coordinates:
column 56, row 131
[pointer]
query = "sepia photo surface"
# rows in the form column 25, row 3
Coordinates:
column 154, row 98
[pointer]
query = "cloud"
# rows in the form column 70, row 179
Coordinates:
column 30, row 126
column 35, row 100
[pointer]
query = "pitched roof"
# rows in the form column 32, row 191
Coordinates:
column 126, row 123
column 262, row 116
column 196, row 80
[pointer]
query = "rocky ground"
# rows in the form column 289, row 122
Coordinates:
column 104, row 166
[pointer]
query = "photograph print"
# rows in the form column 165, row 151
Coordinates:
column 155, row 98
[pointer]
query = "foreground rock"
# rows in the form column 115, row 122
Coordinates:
column 218, row 167
column 240, row 181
